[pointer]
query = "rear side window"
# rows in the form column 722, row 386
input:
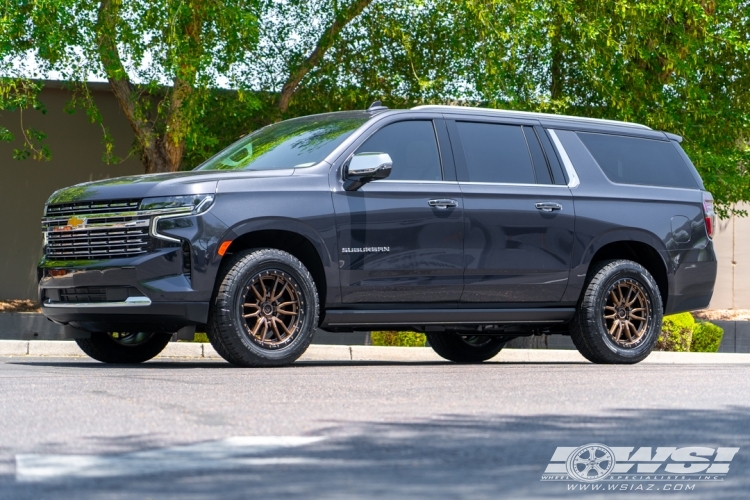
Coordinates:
column 633, row 160
column 496, row 153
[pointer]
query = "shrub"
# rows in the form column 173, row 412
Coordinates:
column 706, row 337
column 200, row 337
column 676, row 333
column 398, row 339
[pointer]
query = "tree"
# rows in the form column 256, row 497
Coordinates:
column 161, row 58
column 678, row 65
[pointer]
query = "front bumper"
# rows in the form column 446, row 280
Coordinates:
column 150, row 292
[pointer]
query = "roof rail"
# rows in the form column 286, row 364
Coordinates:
column 528, row 114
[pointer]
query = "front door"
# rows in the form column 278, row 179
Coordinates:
column 401, row 239
column 519, row 222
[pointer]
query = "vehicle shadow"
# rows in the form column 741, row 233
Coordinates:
column 450, row 456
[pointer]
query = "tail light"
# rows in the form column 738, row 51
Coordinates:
column 708, row 212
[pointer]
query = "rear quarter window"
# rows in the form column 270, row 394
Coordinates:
column 634, row 160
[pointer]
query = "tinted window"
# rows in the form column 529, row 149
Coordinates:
column 537, row 155
column 496, row 153
column 632, row 160
column 297, row 143
column 412, row 147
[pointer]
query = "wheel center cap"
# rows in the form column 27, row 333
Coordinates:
column 267, row 309
column 622, row 313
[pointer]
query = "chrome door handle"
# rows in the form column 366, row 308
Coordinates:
column 548, row 206
column 442, row 204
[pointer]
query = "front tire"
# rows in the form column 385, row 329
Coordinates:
column 620, row 315
column 124, row 348
column 465, row 348
column 265, row 311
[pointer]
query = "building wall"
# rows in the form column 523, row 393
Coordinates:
column 77, row 151
column 732, row 244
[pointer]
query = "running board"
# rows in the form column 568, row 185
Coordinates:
column 419, row 317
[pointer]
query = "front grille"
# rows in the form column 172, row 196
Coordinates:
column 91, row 207
column 90, row 294
column 96, row 230
column 98, row 243
column 83, row 294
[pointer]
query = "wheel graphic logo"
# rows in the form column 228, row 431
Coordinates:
column 592, row 462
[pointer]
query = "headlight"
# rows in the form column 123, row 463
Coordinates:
column 194, row 203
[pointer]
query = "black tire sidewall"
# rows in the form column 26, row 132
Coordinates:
column 633, row 271
column 239, row 346
column 102, row 347
column 453, row 347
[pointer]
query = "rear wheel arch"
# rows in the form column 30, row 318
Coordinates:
column 641, row 252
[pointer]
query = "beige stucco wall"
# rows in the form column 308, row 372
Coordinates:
column 732, row 244
column 25, row 185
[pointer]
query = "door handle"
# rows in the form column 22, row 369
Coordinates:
column 547, row 206
column 442, row 204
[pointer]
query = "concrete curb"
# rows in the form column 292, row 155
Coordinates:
column 195, row 350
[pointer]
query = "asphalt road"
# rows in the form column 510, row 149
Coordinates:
column 72, row 428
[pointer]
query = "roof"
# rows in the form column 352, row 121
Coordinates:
column 526, row 114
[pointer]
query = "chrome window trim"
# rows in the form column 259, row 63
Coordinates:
column 573, row 180
column 417, row 182
column 511, row 184
column 129, row 302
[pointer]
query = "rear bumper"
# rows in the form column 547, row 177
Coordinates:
column 693, row 287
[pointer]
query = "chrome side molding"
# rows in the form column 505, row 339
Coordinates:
column 129, row 302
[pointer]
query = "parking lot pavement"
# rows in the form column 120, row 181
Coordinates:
column 74, row 428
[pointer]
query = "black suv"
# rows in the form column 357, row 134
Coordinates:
column 471, row 225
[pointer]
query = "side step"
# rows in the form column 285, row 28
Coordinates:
column 419, row 317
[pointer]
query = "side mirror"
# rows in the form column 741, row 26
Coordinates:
column 367, row 167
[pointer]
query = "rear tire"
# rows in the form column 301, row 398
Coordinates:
column 127, row 349
column 465, row 348
column 620, row 314
column 265, row 311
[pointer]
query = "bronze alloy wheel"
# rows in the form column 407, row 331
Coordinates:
column 272, row 309
column 627, row 312
column 130, row 339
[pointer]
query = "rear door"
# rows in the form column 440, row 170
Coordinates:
column 518, row 212
column 401, row 239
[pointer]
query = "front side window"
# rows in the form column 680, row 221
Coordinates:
column 496, row 153
column 296, row 143
column 633, row 160
column 412, row 147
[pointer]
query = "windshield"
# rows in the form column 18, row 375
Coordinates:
column 296, row 143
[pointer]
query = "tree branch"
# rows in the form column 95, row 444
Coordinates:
column 109, row 54
column 325, row 42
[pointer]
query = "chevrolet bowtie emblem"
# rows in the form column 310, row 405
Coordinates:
column 73, row 223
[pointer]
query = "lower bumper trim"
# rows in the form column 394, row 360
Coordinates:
column 129, row 302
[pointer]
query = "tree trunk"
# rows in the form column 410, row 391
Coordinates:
column 325, row 42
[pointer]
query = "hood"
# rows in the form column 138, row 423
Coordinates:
column 154, row 185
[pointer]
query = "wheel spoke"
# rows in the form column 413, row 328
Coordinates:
column 257, row 293
column 252, row 315
column 614, row 325
column 628, row 326
column 258, row 324
column 263, row 287
column 276, row 329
